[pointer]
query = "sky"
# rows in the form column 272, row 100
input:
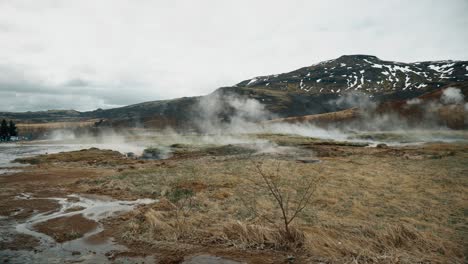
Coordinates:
column 89, row 54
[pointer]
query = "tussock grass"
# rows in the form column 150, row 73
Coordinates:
column 387, row 243
column 260, row 236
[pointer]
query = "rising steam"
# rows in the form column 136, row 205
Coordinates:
column 230, row 119
column 452, row 95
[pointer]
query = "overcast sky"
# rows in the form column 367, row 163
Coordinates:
column 57, row 54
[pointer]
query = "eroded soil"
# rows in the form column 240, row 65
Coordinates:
column 64, row 229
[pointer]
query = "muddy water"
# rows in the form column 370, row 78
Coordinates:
column 12, row 151
column 79, row 250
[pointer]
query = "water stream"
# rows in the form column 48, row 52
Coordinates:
column 80, row 250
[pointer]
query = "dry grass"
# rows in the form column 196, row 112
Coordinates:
column 260, row 236
column 57, row 125
column 373, row 206
column 289, row 191
column 381, row 243
column 36, row 129
column 322, row 119
column 92, row 156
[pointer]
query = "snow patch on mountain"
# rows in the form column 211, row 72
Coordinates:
column 252, row 81
column 368, row 73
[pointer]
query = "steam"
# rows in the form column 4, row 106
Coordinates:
column 224, row 118
column 245, row 117
column 370, row 119
column 306, row 130
column 414, row 101
column 452, row 95
column 356, row 99
column 219, row 113
column 107, row 138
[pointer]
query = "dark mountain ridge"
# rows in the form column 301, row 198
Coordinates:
column 306, row 91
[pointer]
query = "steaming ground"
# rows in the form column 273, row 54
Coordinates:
column 205, row 203
column 386, row 190
column 164, row 139
column 371, row 205
column 231, row 119
column 137, row 141
column 198, row 185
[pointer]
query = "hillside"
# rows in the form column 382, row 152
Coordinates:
column 366, row 74
column 306, row 91
column 425, row 110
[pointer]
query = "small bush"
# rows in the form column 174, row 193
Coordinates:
column 289, row 193
column 178, row 194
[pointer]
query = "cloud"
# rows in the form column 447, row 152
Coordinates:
column 122, row 52
column 20, row 90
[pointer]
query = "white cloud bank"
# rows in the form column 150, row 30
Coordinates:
column 89, row 54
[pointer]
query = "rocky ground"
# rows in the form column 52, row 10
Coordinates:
column 368, row 204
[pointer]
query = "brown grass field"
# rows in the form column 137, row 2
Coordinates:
column 404, row 204
column 39, row 129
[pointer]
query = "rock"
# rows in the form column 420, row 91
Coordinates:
column 381, row 145
column 413, row 157
column 153, row 153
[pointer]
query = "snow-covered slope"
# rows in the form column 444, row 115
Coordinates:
column 364, row 73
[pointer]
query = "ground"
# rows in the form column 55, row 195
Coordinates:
column 385, row 204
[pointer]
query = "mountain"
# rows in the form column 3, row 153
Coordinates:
column 306, row 91
column 366, row 74
column 427, row 110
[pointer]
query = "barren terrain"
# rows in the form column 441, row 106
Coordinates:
column 384, row 204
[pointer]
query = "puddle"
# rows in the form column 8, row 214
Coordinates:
column 78, row 250
column 8, row 171
column 11, row 151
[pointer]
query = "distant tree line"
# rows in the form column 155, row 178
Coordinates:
column 8, row 130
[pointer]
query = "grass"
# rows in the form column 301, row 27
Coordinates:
column 56, row 125
column 372, row 206
column 92, row 156
column 34, row 130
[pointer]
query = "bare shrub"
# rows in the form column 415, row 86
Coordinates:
column 287, row 191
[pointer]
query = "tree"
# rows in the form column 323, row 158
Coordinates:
column 4, row 132
column 12, row 129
